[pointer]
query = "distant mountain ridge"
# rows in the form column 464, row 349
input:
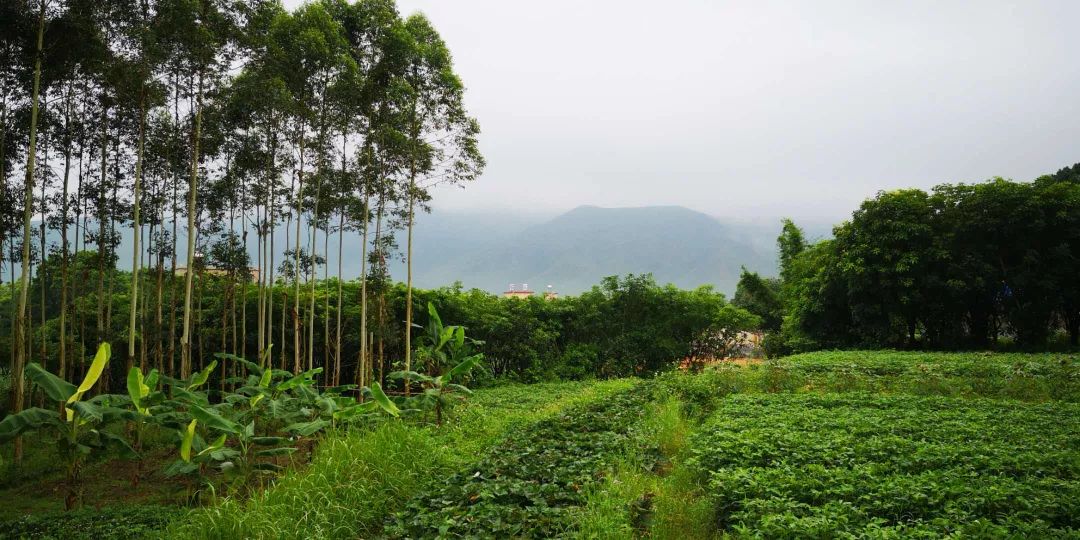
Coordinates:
column 571, row 251
column 575, row 250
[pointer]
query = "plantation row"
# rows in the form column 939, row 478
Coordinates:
column 229, row 439
column 528, row 485
column 786, row 466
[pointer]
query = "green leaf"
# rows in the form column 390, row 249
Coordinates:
column 444, row 336
column 214, row 446
column 56, row 388
column 384, row 402
column 179, row 468
column 87, row 410
column 413, row 376
column 185, row 441
column 264, row 381
column 26, row 420
column 264, row 360
column 94, row 373
column 212, row 419
column 135, row 387
column 118, row 443
column 269, row 441
column 305, row 429
column 434, row 315
column 201, row 377
column 270, row 452
column 465, row 366
column 152, row 379
column 459, row 337
column 299, row 380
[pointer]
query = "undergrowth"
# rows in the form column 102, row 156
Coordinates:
column 358, row 477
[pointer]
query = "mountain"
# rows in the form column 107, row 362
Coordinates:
column 573, row 251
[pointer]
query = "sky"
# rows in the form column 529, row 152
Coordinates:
column 757, row 109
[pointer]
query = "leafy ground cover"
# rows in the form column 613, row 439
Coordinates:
column 534, row 483
column 828, row 465
column 1031, row 377
column 358, row 477
column 119, row 522
column 1026, row 377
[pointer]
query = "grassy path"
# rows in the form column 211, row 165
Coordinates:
column 534, row 483
column 359, row 477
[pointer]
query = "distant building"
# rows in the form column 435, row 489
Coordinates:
column 181, row 271
column 515, row 292
column 550, row 293
column 524, row 292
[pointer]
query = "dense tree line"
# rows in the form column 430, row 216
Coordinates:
column 965, row 266
column 622, row 327
column 208, row 128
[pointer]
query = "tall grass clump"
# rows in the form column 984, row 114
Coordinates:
column 355, row 479
column 358, row 477
column 646, row 491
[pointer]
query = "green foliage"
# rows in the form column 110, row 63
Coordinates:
column 826, row 465
column 790, row 244
column 358, row 477
column 447, row 353
column 964, row 266
column 530, row 484
column 762, row 297
column 78, row 426
column 116, row 523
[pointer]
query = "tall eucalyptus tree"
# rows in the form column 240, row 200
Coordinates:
column 441, row 146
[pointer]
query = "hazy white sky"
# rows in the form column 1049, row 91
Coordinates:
column 755, row 107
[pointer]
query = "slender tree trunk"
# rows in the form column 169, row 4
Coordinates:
column 243, row 279
column 297, row 365
column 408, row 279
column 185, row 337
column 381, row 261
column 172, row 257
column 260, row 306
column 101, row 226
column 312, row 276
column 42, row 270
column 62, row 360
column 337, row 311
column 326, row 299
column 28, row 209
column 362, row 364
column 136, row 228
column 272, row 227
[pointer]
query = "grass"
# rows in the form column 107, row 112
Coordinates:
column 358, row 477
column 650, row 491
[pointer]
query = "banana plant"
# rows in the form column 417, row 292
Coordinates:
column 248, row 457
column 142, row 393
column 441, row 391
column 377, row 401
column 443, row 345
column 196, row 456
column 77, row 424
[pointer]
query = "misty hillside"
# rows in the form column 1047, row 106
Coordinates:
column 575, row 250
column 571, row 251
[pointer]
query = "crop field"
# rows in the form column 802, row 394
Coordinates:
column 828, row 445
column 891, row 466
